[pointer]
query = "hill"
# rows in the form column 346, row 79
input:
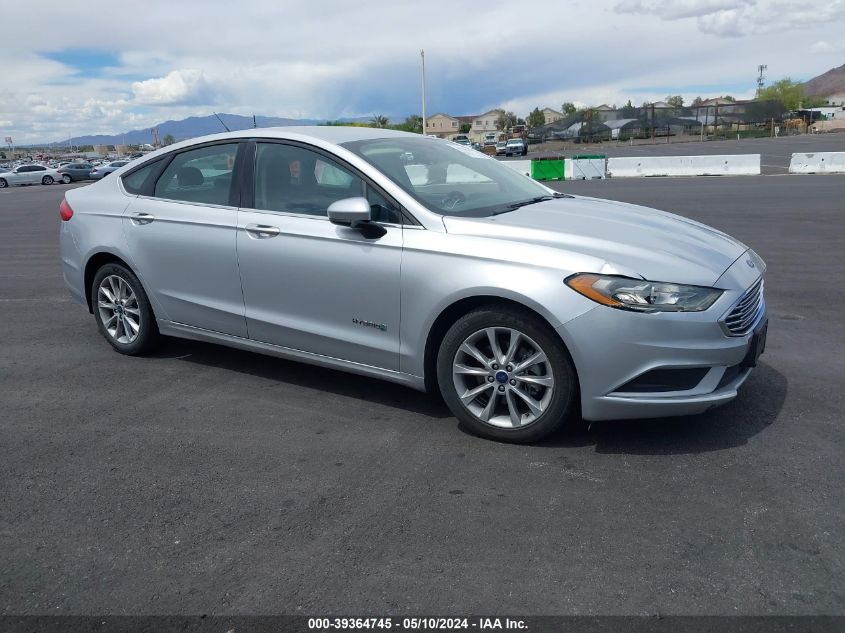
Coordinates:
column 190, row 128
column 826, row 84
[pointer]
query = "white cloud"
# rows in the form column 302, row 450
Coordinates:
column 179, row 86
column 827, row 48
column 737, row 18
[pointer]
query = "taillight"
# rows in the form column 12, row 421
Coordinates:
column 65, row 212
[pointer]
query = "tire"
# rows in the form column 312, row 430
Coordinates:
column 3, row 183
column 531, row 402
column 67, row 179
column 129, row 314
column 47, row 180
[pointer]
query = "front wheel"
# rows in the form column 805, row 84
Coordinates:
column 122, row 310
column 66, row 179
column 47, row 180
column 3, row 183
column 506, row 376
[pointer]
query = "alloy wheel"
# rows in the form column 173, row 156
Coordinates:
column 503, row 377
column 118, row 308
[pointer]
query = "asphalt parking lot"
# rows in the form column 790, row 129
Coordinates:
column 775, row 153
column 207, row 480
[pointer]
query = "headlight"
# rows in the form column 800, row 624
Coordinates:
column 642, row 296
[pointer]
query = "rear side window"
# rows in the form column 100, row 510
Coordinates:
column 135, row 182
column 202, row 175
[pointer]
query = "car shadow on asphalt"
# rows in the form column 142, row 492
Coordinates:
column 756, row 408
column 304, row 375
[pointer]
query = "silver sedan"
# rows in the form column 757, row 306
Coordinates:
column 101, row 171
column 31, row 175
column 421, row 262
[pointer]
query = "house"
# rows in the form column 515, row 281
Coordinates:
column 604, row 112
column 482, row 125
column 551, row 116
column 836, row 99
column 442, row 125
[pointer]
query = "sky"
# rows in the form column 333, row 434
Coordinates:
column 131, row 63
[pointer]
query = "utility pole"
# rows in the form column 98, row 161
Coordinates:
column 422, row 56
column 760, row 78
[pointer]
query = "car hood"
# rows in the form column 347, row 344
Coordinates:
column 656, row 245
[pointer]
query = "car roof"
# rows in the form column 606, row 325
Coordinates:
column 333, row 134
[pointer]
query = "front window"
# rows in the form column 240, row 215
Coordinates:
column 448, row 178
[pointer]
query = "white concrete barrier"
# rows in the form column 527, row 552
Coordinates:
column 522, row 166
column 585, row 168
column 818, row 163
column 724, row 165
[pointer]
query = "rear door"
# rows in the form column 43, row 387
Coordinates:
column 181, row 236
column 36, row 173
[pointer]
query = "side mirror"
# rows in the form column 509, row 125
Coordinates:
column 356, row 214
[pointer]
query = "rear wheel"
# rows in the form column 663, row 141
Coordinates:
column 122, row 310
column 505, row 375
column 66, row 179
column 47, row 180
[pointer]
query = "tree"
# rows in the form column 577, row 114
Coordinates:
column 629, row 111
column 676, row 101
column 465, row 128
column 536, row 118
column 697, row 102
column 505, row 120
column 379, row 120
column 413, row 123
column 568, row 108
column 789, row 93
column 168, row 139
column 729, row 98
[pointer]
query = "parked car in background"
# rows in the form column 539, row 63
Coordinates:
column 409, row 259
column 490, row 138
column 31, row 175
column 102, row 171
column 500, row 147
column 77, row 171
column 516, row 147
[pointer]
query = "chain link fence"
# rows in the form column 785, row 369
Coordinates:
column 747, row 119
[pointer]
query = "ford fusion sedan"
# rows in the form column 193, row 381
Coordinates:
column 425, row 263
column 31, row 175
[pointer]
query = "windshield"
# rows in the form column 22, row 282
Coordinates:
column 448, row 178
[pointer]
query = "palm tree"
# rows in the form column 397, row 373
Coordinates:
column 414, row 123
column 379, row 120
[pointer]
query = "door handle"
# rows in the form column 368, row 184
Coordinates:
column 141, row 218
column 262, row 231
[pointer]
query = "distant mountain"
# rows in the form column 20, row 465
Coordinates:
column 826, row 84
column 190, row 128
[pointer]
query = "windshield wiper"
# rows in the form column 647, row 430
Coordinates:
column 517, row 205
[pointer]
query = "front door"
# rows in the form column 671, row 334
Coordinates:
column 311, row 285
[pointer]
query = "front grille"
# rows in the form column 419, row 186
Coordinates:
column 742, row 316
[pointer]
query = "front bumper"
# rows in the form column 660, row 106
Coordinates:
column 615, row 351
